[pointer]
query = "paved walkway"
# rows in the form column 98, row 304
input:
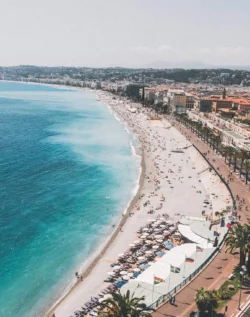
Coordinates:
column 217, row 272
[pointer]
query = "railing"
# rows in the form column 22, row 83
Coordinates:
column 167, row 296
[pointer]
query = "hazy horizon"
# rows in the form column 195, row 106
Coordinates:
column 131, row 33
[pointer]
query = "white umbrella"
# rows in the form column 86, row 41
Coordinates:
column 166, row 232
column 148, row 252
column 154, row 225
column 150, row 220
column 159, row 236
column 117, row 267
column 162, row 226
column 177, row 234
column 145, row 229
column 172, row 227
column 126, row 277
column 145, row 234
column 130, row 274
column 137, row 241
column 136, row 269
column 131, row 245
column 105, row 297
column 148, row 242
column 111, row 273
column 120, row 255
column 169, row 221
column 156, row 230
column 159, row 240
column 140, row 258
column 155, row 247
column 123, row 272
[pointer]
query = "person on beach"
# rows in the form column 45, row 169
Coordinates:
column 77, row 275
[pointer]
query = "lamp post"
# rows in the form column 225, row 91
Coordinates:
column 242, row 272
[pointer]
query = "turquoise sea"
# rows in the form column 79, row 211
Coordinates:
column 62, row 154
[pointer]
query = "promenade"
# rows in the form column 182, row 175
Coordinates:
column 218, row 270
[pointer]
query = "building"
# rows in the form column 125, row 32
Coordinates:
column 205, row 105
column 189, row 101
column 177, row 100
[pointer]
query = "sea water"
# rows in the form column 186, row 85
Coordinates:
column 67, row 174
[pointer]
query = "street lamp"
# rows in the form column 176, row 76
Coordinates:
column 242, row 272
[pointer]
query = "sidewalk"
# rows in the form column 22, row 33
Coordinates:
column 217, row 272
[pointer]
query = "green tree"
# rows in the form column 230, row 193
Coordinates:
column 124, row 306
column 238, row 238
column 246, row 167
column 207, row 301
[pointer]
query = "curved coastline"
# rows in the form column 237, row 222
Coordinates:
column 125, row 215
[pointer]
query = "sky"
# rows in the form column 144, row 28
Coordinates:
column 127, row 33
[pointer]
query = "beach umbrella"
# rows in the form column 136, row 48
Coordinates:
column 145, row 229
column 123, row 272
column 150, row 220
column 120, row 255
column 172, row 228
column 177, row 234
column 159, row 240
column 137, row 241
column 117, row 267
column 169, row 222
column 146, row 234
column 155, row 247
column 143, row 237
column 154, row 225
column 148, row 242
column 148, row 252
column 131, row 245
column 156, row 230
column 162, row 219
column 130, row 274
column 106, row 296
column 111, row 273
column 136, row 269
column 163, row 226
column 120, row 284
column 166, row 232
column 126, row 277
column 141, row 258
column 159, row 236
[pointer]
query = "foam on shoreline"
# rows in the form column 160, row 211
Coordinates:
column 89, row 264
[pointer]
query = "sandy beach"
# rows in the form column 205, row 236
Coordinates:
column 171, row 168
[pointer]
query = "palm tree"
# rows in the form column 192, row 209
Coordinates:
column 207, row 301
column 243, row 155
column 246, row 167
column 124, row 306
column 238, row 238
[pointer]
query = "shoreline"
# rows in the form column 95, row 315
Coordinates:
column 124, row 216
column 148, row 133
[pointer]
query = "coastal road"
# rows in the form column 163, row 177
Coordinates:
column 218, row 270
